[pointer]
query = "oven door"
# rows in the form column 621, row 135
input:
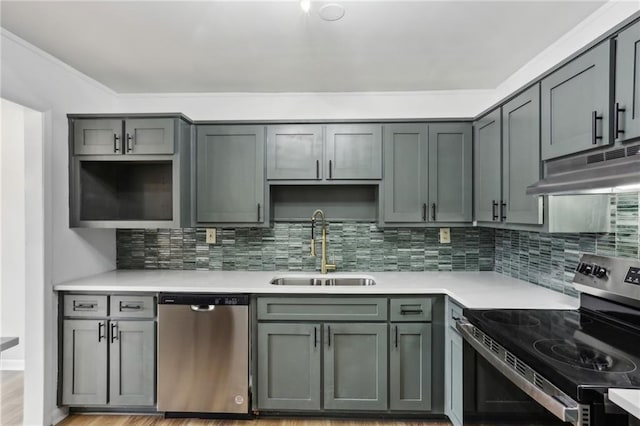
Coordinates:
column 538, row 388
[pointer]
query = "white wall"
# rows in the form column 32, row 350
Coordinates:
column 12, row 231
column 36, row 80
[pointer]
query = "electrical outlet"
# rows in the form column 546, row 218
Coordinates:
column 445, row 235
column 211, row 235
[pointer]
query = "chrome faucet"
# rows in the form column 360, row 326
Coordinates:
column 326, row 267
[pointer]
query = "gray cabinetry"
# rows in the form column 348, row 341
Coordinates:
column 149, row 136
column 294, row 152
column 410, row 367
column 428, row 173
column 487, row 182
column 289, row 366
column 627, row 99
column 450, row 172
column 355, row 366
column 230, row 186
column 353, row 151
column 97, row 137
column 107, row 361
column 84, row 362
column 575, row 105
column 453, row 365
column 521, row 157
column 131, row 368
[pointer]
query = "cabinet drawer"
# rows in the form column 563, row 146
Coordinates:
column 455, row 312
column 132, row 306
column 323, row 308
column 85, row 305
column 411, row 309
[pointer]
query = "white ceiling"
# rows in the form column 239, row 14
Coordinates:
column 272, row 46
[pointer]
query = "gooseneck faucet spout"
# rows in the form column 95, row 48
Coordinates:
column 325, row 267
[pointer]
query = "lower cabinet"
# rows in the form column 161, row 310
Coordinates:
column 454, row 380
column 410, row 367
column 108, row 361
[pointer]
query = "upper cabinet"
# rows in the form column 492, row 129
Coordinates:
column 230, row 185
column 427, row 172
column 129, row 136
column 575, row 104
column 129, row 171
column 332, row 152
column 626, row 117
column 507, row 160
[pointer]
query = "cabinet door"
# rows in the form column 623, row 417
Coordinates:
column 453, row 377
column 628, row 83
column 97, row 137
column 289, row 366
column 230, row 174
column 405, row 174
column 355, row 366
column 132, row 365
column 410, row 367
column 354, row 151
column 575, row 105
column 149, row 136
column 450, row 173
column 521, row 157
column 487, row 167
column 294, row 152
column 84, row 362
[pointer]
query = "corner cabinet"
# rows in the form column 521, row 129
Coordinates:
column 427, row 172
column 129, row 172
column 331, row 152
column 108, row 360
column 230, row 181
column 626, row 118
column 575, row 104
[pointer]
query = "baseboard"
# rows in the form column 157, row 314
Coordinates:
column 58, row 415
column 12, row 364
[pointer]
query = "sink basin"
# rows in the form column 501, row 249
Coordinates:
column 305, row 281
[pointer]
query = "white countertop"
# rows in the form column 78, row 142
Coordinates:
column 476, row 290
column 628, row 399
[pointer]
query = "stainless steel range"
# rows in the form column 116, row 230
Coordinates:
column 567, row 360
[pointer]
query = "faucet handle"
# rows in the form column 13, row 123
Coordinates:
column 313, row 248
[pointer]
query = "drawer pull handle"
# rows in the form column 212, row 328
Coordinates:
column 101, row 327
column 396, row 336
column 455, row 318
column 86, row 306
column 133, row 306
column 114, row 331
column 410, row 311
column 329, row 335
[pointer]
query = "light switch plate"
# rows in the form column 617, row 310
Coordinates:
column 211, row 235
column 445, row 235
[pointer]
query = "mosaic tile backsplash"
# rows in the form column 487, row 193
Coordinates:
column 543, row 259
column 285, row 246
column 549, row 260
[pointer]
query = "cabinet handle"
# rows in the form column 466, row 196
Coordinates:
column 101, row 327
column 433, row 212
column 129, row 143
column 329, row 335
column 503, row 209
column 424, row 212
column 114, row 331
column 410, row 311
column 494, row 209
column 396, row 333
column 455, row 318
column 594, row 128
column 116, row 140
column 317, row 169
column 616, row 120
column 84, row 306
column 131, row 307
column 330, row 171
column 258, row 212
column 315, row 337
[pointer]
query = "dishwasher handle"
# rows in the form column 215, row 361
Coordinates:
column 203, row 308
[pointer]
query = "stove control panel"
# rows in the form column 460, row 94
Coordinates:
column 592, row 269
column 633, row 276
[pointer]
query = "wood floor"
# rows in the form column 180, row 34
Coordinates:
column 91, row 420
column 11, row 394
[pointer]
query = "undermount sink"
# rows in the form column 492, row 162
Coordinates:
column 303, row 281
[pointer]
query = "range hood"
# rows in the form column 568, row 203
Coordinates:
column 609, row 171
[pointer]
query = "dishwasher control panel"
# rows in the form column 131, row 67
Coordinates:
column 203, row 299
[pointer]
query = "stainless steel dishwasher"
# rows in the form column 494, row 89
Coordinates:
column 203, row 354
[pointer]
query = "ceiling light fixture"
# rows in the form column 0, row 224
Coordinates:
column 305, row 5
column 331, row 12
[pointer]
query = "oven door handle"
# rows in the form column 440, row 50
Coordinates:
column 569, row 414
